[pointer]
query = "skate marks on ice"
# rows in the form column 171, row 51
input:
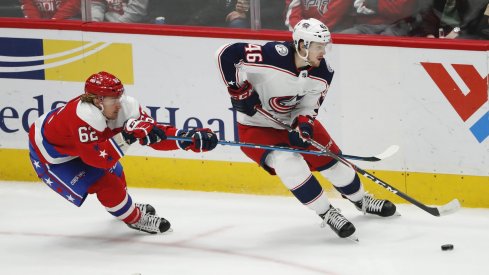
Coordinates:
column 218, row 233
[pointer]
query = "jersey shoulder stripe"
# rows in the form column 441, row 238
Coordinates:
column 280, row 55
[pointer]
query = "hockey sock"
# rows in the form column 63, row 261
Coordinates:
column 296, row 176
column 345, row 180
column 111, row 192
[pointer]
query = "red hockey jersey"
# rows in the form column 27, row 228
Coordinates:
column 385, row 11
column 79, row 129
column 51, row 9
column 330, row 12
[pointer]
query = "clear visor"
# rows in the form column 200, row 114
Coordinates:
column 112, row 100
column 320, row 47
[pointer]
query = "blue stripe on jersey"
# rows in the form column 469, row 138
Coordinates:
column 71, row 179
column 231, row 55
column 50, row 148
column 308, row 191
column 117, row 169
column 123, row 209
column 351, row 188
column 116, row 147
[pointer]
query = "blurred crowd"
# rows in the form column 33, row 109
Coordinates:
column 461, row 19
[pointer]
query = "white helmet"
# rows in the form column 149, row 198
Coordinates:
column 310, row 30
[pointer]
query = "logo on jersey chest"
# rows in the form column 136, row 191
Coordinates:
column 321, row 5
column 284, row 104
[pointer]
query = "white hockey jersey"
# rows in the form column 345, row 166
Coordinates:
column 284, row 90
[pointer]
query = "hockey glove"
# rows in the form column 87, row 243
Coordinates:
column 244, row 99
column 147, row 132
column 202, row 140
column 303, row 132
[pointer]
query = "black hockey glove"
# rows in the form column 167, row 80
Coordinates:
column 244, row 99
column 203, row 140
column 146, row 132
column 304, row 126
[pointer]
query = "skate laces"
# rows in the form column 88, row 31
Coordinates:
column 333, row 217
column 148, row 222
column 142, row 207
column 371, row 205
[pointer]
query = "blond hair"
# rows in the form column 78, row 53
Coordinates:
column 88, row 98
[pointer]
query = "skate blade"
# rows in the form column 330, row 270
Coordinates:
column 167, row 232
column 353, row 238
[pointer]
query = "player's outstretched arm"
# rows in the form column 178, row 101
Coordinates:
column 145, row 131
column 203, row 140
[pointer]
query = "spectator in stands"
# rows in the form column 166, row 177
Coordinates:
column 214, row 13
column 475, row 24
column 465, row 19
column 384, row 17
column 239, row 17
column 438, row 18
column 121, row 11
column 51, row 9
column 330, row 12
column 10, row 8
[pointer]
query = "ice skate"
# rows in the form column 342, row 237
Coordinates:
column 146, row 208
column 369, row 204
column 338, row 223
column 151, row 224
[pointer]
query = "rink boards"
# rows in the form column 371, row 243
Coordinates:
column 429, row 97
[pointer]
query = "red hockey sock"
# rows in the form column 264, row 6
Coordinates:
column 111, row 192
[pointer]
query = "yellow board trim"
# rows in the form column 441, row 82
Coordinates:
column 248, row 178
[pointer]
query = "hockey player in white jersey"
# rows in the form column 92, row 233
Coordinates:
column 290, row 81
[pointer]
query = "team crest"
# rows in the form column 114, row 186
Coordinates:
column 284, row 104
column 282, row 49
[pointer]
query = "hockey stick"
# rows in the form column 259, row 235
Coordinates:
column 448, row 208
column 387, row 153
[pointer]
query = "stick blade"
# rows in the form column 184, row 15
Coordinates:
column 449, row 208
column 388, row 152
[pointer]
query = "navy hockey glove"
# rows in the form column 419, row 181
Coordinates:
column 147, row 132
column 303, row 132
column 203, row 140
column 244, row 99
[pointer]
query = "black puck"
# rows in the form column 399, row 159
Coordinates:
column 446, row 247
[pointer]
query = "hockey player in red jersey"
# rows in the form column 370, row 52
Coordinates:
column 332, row 13
column 290, row 81
column 75, row 149
column 51, row 9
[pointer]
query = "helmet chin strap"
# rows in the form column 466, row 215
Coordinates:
column 304, row 57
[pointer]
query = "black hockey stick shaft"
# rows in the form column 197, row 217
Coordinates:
column 435, row 211
column 279, row 148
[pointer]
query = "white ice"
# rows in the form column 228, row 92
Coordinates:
column 216, row 233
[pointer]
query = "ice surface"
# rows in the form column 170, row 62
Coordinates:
column 216, row 233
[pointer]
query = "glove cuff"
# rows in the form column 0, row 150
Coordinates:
column 243, row 92
column 305, row 119
column 184, row 144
